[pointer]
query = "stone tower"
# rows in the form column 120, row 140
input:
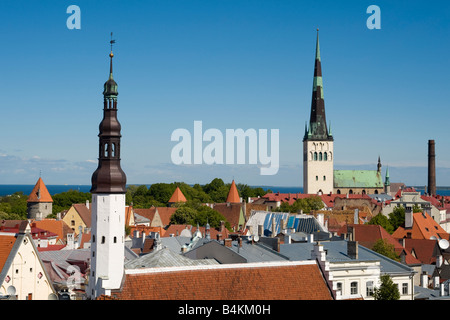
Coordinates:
column 39, row 202
column 318, row 140
column 108, row 200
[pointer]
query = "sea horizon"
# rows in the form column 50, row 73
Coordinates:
column 9, row 189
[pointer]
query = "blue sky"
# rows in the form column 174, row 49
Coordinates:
column 231, row 64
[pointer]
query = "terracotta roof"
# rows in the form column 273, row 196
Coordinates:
column 128, row 215
column 84, row 213
column 424, row 227
column 6, row 244
column 177, row 196
column 231, row 212
column 40, row 193
column 296, row 281
column 147, row 213
column 233, row 194
column 56, row 226
column 367, row 235
column 165, row 213
column 36, row 233
column 422, row 249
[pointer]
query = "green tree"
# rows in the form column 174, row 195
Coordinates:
column 397, row 217
column 183, row 215
column 388, row 290
column 64, row 200
column 193, row 212
column 383, row 221
column 386, row 249
column 15, row 204
column 304, row 204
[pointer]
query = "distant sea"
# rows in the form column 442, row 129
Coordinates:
column 7, row 189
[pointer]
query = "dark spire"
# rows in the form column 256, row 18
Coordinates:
column 109, row 176
column 317, row 122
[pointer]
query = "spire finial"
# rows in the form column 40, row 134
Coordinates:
column 111, row 55
column 112, row 42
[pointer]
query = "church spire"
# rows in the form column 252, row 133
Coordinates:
column 317, row 122
column 109, row 177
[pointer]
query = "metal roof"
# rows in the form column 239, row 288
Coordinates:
column 165, row 258
column 337, row 252
column 357, row 179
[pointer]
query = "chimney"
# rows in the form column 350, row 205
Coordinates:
column 87, row 204
column 424, row 279
column 320, row 219
column 260, row 230
column 274, row 231
column 227, row 242
column 356, row 216
column 352, row 249
column 222, row 226
column 408, row 218
column 431, row 168
column 219, row 237
column 240, row 242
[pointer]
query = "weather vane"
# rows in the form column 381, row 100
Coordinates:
column 112, row 41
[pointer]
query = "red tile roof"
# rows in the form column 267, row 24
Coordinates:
column 6, row 244
column 58, row 227
column 233, row 194
column 40, row 193
column 177, row 196
column 164, row 213
column 297, row 281
column 231, row 212
column 424, row 227
column 422, row 249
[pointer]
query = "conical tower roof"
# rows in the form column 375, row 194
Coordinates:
column 233, row 194
column 177, row 196
column 40, row 193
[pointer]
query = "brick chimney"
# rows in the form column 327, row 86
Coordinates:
column 227, row 242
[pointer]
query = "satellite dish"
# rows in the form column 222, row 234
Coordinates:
column 255, row 238
column 52, row 296
column 433, row 238
column 11, row 291
column 443, row 244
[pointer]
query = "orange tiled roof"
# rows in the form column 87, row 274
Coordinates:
column 177, row 196
column 288, row 282
column 233, row 194
column 6, row 244
column 424, row 227
column 40, row 193
column 165, row 213
column 56, row 226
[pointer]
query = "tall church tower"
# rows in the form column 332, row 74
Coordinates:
column 108, row 200
column 318, row 141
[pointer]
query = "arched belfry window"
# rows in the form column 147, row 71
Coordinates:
column 315, row 156
column 106, row 149
column 113, row 149
column 320, row 156
column 325, row 156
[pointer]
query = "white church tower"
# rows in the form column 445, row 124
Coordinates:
column 318, row 141
column 108, row 201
